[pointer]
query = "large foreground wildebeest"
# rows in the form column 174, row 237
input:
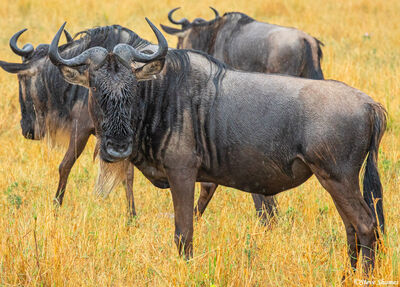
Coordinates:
column 181, row 116
column 246, row 44
column 52, row 107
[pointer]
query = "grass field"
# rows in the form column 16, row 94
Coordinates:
column 91, row 242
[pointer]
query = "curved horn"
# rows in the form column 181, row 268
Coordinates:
column 25, row 51
column 14, row 67
column 68, row 36
column 127, row 53
column 183, row 21
column 215, row 12
column 94, row 55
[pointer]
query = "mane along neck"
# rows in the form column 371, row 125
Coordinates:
column 238, row 16
column 189, row 78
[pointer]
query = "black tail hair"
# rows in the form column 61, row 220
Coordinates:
column 312, row 69
column 372, row 184
column 320, row 44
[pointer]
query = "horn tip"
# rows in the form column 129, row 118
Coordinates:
column 148, row 21
column 20, row 32
column 173, row 10
column 61, row 28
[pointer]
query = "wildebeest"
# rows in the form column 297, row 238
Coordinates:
column 249, row 45
column 52, row 106
column 246, row 44
column 182, row 116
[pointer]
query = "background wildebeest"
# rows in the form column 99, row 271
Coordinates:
column 181, row 116
column 246, row 44
column 249, row 45
column 53, row 107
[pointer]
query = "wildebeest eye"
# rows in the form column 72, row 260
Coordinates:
column 93, row 89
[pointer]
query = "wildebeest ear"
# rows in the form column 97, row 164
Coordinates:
column 147, row 71
column 75, row 76
column 173, row 31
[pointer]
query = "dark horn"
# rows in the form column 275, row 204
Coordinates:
column 26, row 50
column 14, row 67
column 215, row 12
column 68, row 36
column 183, row 21
column 127, row 53
column 170, row 30
column 94, row 55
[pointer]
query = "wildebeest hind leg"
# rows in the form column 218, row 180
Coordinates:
column 356, row 216
column 352, row 240
column 206, row 193
column 76, row 145
column 128, row 184
column 265, row 207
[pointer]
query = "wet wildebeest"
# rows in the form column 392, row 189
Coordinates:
column 182, row 116
column 53, row 107
column 246, row 44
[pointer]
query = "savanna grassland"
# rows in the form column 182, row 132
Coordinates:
column 91, row 242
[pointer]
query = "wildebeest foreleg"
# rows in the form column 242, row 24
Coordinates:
column 128, row 183
column 206, row 193
column 77, row 143
column 265, row 206
column 182, row 183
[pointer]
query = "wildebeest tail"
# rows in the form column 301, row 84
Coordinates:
column 372, row 183
column 313, row 57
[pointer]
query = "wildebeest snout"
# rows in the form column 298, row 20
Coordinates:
column 28, row 128
column 116, row 150
column 28, row 132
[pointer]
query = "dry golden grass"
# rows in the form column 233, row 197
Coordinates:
column 91, row 243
